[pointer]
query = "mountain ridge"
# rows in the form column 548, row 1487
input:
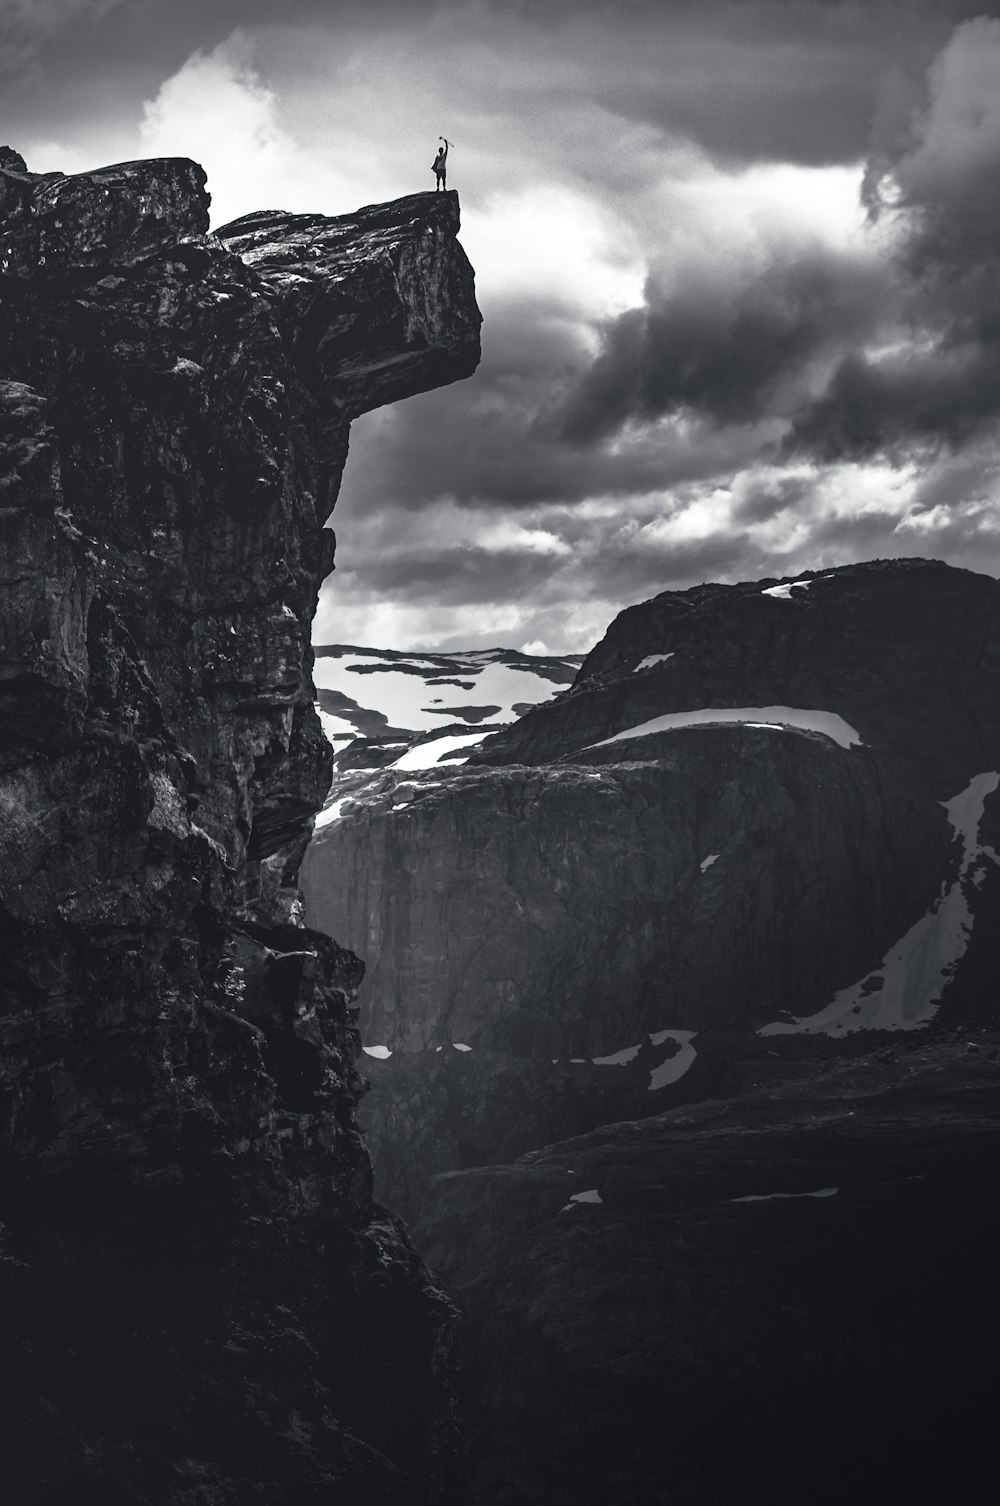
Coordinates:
column 682, row 1032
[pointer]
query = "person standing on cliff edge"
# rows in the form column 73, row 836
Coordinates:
column 440, row 163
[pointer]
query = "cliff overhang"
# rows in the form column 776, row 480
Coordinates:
column 179, row 1050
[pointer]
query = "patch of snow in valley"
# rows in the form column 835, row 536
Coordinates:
column 505, row 686
column 674, row 1068
column 382, row 1052
column 652, row 659
column 590, row 1196
column 400, row 697
column 336, row 727
column 826, row 723
column 330, row 814
column 784, row 593
column 617, row 1058
column 770, row 1197
column 426, row 755
column 904, row 991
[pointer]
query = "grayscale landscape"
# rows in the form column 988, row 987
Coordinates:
column 498, row 1005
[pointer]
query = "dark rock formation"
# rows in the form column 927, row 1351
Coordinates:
column 205, row 1305
column 787, row 1297
column 563, row 911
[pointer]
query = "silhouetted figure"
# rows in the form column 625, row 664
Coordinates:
column 440, row 164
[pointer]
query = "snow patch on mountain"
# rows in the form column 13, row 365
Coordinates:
column 784, row 593
column 426, row 755
column 617, row 1058
column 674, row 1068
column 904, row 991
column 592, row 1195
column 771, row 1197
column 793, row 718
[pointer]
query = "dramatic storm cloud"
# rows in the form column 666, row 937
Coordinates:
column 737, row 261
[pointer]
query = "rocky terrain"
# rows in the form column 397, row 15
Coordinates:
column 204, row 1304
column 757, row 805
column 783, row 1296
column 683, row 1033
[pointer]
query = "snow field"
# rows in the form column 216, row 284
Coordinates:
column 426, row 755
column 408, row 701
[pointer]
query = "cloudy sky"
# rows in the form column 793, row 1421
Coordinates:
column 738, row 262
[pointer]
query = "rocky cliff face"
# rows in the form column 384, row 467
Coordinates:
column 207, row 1305
column 564, row 911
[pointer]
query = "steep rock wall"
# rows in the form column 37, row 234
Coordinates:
column 564, row 911
column 573, row 909
column 208, row 1304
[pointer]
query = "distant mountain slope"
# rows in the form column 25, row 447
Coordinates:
column 386, row 710
column 383, row 692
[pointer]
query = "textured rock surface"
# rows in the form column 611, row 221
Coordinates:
column 708, row 879
column 207, row 1305
column 786, row 1297
column 564, row 911
column 375, row 704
